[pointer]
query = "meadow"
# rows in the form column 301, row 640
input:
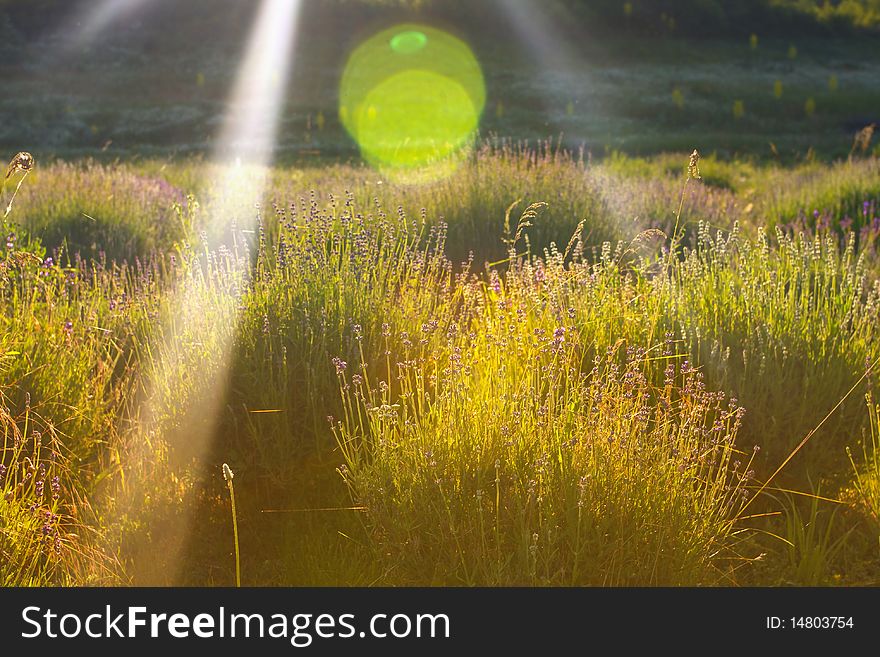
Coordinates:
column 434, row 385
column 597, row 358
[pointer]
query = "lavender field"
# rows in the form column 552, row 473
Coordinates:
column 438, row 350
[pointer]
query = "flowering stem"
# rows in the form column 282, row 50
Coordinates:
column 228, row 475
column 693, row 171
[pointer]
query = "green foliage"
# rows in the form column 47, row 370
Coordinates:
column 42, row 541
column 581, row 395
column 500, row 462
column 866, row 483
column 780, row 324
column 810, row 543
column 701, row 17
column 100, row 212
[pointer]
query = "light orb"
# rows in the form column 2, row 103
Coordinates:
column 412, row 97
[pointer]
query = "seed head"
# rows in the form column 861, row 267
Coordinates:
column 227, row 474
column 23, row 162
column 693, row 165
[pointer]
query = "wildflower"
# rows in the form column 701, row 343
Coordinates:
column 68, row 327
column 559, row 334
column 339, row 364
column 533, row 548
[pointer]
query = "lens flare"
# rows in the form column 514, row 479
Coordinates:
column 412, row 97
column 406, row 43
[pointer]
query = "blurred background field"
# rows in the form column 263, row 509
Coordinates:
column 603, row 80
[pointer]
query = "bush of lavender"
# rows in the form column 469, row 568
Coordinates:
column 100, row 211
column 506, row 464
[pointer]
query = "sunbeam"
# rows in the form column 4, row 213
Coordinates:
column 203, row 310
column 95, row 20
column 559, row 63
column 535, row 27
column 245, row 146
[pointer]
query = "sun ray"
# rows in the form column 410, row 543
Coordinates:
column 95, row 19
column 202, row 312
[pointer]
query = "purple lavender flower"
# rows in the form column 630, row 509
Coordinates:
column 339, row 364
column 558, row 338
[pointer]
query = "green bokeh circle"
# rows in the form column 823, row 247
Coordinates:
column 412, row 97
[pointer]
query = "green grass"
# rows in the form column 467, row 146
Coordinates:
column 101, row 212
column 582, row 410
column 500, row 461
column 866, row 485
